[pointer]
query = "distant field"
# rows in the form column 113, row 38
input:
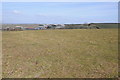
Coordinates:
column 73, row 53
column 107, row 25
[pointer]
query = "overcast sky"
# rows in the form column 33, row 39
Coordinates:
column 59, row 12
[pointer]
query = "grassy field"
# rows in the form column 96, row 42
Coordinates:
column 73, row 53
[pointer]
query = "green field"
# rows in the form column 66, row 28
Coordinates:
column 73, row 53
column 107, row 25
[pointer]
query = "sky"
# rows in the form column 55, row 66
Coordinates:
column 60, row 0
column 59, row 12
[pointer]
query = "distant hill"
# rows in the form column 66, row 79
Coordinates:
column 70, row 26
column 100, row 25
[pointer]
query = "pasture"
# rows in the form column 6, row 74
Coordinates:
column 65, row 53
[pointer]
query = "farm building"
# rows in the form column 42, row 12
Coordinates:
column 7, row 29
column 60, row 26
column 42, row 26
column 39, row 28
column 55, row 26
column 29, row 28
column 18, row 28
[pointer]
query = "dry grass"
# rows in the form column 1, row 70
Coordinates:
column 61, row 53
column 0, row 55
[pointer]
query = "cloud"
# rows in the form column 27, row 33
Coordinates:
column 16, row 12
